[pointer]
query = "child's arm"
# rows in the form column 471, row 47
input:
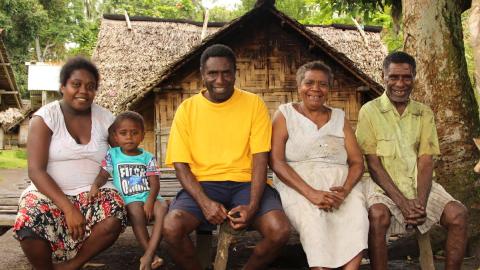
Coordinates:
column 154, row 183
column 100, row 180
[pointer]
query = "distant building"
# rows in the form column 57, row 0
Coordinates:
column 43, row 83
column 13, row 114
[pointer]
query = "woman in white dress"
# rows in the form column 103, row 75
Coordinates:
column 317, row 164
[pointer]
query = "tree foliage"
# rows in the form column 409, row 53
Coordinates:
column 185, row 9
column 70, row 27
column 40, row 30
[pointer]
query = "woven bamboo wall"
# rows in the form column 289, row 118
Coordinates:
column 148, row 114
column 269, row 71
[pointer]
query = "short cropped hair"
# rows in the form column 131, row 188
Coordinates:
column 314, row 65
column 218, row 50
column 77, row 63
column 399, row 57
column 128, row 115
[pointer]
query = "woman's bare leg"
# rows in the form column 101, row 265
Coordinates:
column 354, row 263
column 38, row 253
column 103, row 236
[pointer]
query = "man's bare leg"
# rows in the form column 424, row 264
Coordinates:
column 176, row 228
column 379, row 217
column 275, row 229
column 454, row 218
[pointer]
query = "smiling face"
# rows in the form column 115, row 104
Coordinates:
column 313, row 89
column 79, row 90
column 218, row 74
column 399, row 79
column 128, row 135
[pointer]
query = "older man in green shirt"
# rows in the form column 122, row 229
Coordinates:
column 399, row 139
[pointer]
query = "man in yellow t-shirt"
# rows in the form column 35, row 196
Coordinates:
column 399, row 139
column 219, row 143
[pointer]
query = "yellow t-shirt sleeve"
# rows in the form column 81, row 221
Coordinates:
column 365, row 134
column 261, row 132
column 178, row 148
column 428, row 135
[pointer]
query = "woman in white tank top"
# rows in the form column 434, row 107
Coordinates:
column 66, row 143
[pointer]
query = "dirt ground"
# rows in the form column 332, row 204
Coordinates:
column 125, row 253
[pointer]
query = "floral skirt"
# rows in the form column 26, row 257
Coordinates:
column 36, row 212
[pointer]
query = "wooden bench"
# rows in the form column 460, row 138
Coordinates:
column 9, row 207
column 169, row 186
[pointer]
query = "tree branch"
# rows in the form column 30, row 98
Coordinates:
column 48, row 46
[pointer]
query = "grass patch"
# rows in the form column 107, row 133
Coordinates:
column 13, row 159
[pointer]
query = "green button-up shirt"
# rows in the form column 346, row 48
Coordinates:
column 398, row 140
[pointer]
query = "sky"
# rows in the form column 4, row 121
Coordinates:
column 229, row 4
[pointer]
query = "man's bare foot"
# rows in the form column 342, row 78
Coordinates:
column 148, row 263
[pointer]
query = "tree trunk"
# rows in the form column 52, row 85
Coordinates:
column 38, row 50
column 433, row 35
column 474, row 27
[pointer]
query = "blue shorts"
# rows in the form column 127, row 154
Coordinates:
column 228, row 193
column 141, row 197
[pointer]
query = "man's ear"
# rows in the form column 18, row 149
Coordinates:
column 201, row 73
column 477, row 142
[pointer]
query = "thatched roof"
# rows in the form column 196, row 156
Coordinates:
column 11, row 117
column 132, row 62
column 129, row 59
column 9, row 94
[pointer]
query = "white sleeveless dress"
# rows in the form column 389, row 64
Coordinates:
column 329, row 239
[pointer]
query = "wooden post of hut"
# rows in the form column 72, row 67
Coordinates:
column 2, row 137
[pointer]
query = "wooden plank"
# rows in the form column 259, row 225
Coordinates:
column 426, row 254
column 7, row 219
column 9, row 201
column 5, row 92
column 8, row 211
column 4, row 208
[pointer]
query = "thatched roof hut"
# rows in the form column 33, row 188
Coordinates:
column 12, row 111
column 132, row 62
column 152, row 66
column 9, row 94
column 11, row 117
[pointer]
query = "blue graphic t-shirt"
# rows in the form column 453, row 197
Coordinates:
column 130, row 173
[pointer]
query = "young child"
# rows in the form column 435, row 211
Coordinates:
column 135, row 175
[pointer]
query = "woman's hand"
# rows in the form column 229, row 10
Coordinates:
column 341, row 193
column 75, row 223
column 324, row 200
